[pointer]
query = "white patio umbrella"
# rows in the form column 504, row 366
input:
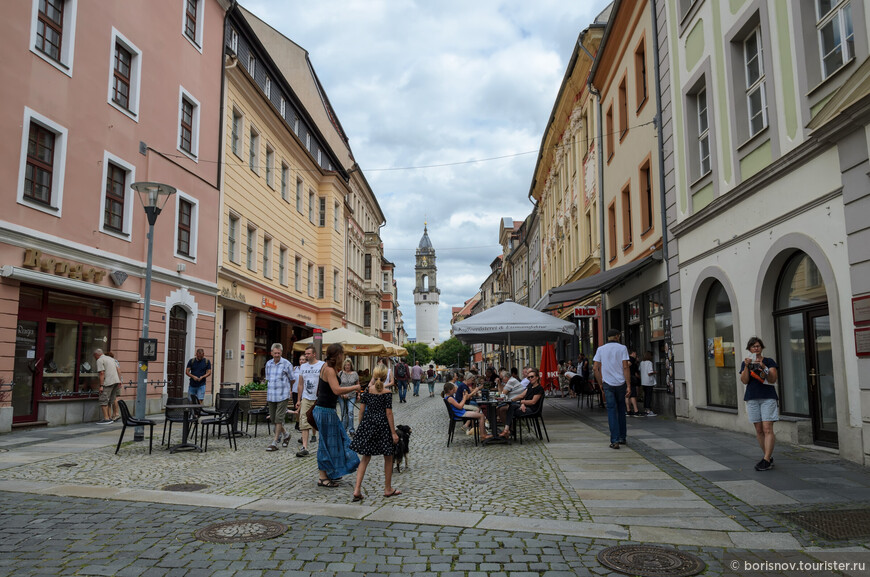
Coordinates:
column 513, row 324
column 355, row 344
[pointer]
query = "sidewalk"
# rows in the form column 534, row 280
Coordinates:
column 675, row 483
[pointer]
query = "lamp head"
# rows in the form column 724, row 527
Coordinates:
column 153, row 196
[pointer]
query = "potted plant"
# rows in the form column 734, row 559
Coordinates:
column 252, row 386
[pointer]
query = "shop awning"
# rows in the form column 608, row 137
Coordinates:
column 67, row 284
column 600, row 282
column 285, row 320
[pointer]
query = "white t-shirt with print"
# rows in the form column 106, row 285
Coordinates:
column 310, row 379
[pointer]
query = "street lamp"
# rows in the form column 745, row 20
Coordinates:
column 153, row 196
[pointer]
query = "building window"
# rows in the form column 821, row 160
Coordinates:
column 299, row 202
column 836, row 37
column 640, row 78
column 251, row 248
column 296, row 125
column 254, row 151
column 270, row 166
column 608, row 125
column 121, row 76
column 623, row 109
column 297, row 274
column 611, row 233
column 267, row 88
column 116, row 184
column 385, row 284
column 53, row 32
column 646, row 199
column 283, row 107
column 368, row 267
column 321, row 282
column 282, row 265
column 233, row 239
column 335, row 285
column 285, row 178
column 703, row 133
column 319, row 157
column 236, row 140
column 626, row 218
column 252, row 66
column 188, row 124
column 756, row 97
column 186, row 226
column 234, row 41
column 321, row 216
column 267, row 256
column 367, row 314
column 308, row 141
column 718, row 349
column 311, row 206
column 310, row 280
column 192, row 23
column 336, row 214
column 40, row 164
column 385, row 321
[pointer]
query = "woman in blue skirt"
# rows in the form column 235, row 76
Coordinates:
column 334, row 457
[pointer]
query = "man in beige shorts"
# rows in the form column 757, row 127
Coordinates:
column 309, row 378
column 109, row 382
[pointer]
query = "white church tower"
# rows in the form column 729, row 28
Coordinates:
column 426, row 292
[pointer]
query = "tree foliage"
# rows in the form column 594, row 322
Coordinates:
column 419, row 352
column 446, row 352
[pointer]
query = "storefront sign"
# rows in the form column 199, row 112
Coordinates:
column 306, row 317
column 33, row 259
column 862, row 342
column 861, row 310
column 718, row 352
column 634, row 312
column 269, row 304
column 233, row 293
column 585, row 312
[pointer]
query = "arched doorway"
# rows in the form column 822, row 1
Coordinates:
column 176, row 355
column 803, row 329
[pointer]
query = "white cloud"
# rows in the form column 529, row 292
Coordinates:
column 420, row 83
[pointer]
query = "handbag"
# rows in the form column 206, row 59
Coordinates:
column 309, row 416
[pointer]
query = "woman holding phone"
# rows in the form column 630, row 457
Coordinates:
column 759, row 374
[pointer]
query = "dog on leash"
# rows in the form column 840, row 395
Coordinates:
column 404, row 434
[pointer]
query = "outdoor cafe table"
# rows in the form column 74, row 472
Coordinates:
column 491, row 405
column 185, row 428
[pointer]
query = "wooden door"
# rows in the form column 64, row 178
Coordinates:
column 176, row 355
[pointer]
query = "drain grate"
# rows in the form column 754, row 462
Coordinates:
column 650, row 561
column 834, row 525
column 241, row 531
column 185, row 487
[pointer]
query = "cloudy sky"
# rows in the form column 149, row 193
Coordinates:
column 419, row 83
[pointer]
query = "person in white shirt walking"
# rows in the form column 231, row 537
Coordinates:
column 309, row 378
column 612, row 371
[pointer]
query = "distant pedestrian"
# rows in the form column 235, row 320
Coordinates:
column 611, row 367
column 335, row 459
column 116, row 412
column 634, row 372
column 759, row 374
column 198, row 371
column 110, row 380
column 430, row 380
column 376, row 433
column 279, row 378
column 647, row 382
column 348, row 378
column 416, row 376
column 402, row 372
column 308, row 380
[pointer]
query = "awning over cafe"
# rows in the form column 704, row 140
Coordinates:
column 600, row 282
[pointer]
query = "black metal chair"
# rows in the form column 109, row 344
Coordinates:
column 225, row 419
column 129, row 421
column 533, row 418
column 584, row 390
column 454, row 419
column 176, row 416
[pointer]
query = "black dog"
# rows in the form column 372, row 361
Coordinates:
column 404, row 434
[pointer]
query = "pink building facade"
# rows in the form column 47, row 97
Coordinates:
column 97, row 96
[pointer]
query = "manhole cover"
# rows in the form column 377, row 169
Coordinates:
column 834, row 525
column 650, row 561
column 68, row 465
column 241, row 531
column 185, row 487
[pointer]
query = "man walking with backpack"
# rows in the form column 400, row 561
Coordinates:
column 402, row 374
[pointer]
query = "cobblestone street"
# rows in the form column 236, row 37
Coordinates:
column 72, row 507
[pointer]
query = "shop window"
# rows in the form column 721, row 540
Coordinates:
column 719, row 353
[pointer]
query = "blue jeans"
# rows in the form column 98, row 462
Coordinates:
column 347, row 410
column 416, row 387
column 403, row 389
column 196, row 392
column 615, row 397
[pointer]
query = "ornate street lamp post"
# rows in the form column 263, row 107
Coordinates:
column 153, row 196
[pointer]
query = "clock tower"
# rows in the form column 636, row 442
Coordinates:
column 426, row 292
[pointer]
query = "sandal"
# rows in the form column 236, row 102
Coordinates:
column 357, row 498
column 393, row 494
column 328, row 483
column 505, row 434
column 286, row 440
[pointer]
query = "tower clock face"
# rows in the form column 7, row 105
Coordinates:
column 425, row 261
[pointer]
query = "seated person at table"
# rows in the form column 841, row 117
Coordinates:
column 512, row 388
column 529, row 404
column 458, row 408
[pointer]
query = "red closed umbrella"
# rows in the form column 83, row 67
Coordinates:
column 549, row 368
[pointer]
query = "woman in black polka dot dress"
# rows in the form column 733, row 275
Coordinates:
column 376, row 433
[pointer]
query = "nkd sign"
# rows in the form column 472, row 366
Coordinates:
column 585, row 312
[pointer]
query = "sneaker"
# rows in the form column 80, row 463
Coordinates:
column 303, row 453
column 630, row 413
column 764, row 465
column 651, row 414
column 622, row 442
column 104, row 422
column 614, row 445
column 313, row 438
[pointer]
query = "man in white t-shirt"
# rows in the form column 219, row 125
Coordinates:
column 110, row 381
column 309, row 378
column 612, row 371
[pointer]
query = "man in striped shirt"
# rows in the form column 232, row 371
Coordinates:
column 279, row 377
